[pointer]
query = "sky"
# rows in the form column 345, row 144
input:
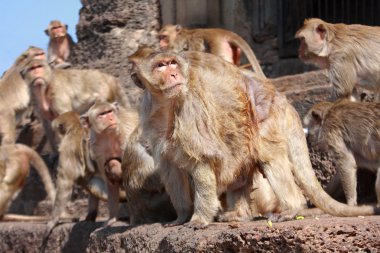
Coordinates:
column 23, row 23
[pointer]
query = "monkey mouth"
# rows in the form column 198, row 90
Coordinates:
column 173, row 89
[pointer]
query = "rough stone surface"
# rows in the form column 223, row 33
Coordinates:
column 325, row 234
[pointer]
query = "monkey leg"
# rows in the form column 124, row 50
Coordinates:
column 7, row 127
column 177, row 185
column 377, row 186
column 113, row 200
column 206, row 202
column 6, row 194
column 93, row 204
column 280, row 177
column 238, row 199
column 347, row 173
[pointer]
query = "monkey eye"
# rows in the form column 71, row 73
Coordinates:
column 160, row 65
column 35, row 67
column 56, row 27
column 162, row 37
column 173, row 62
column 105, row 112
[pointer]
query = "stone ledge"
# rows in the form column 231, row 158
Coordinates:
column 308, row 235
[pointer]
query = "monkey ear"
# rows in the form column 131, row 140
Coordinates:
column 137, row 81
column 46, row 32
column 67, row 27
column 321, row 31
column 178, row 28
column 23, row 72
column 317, row 115
column 85, row 122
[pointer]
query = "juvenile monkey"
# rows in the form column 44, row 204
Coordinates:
column 349, row 52
column 351, row 132
column 56, row 91
column 110, row 126
column 75, row 166
column 15, row 161
column 147, row 199
column 60, row 44
column 14, row 96
column 207, row 138
column 220, row 42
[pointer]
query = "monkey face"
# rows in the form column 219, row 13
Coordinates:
column 102, row 116
column 35, row 73
column 165, row 74
column 56, row 30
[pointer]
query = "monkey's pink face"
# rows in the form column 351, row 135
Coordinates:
column 107, row 119
column 57, row 31
column 171, row 80
column 35, row 72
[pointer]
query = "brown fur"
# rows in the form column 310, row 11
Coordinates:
column 60, row 44
column 75, row 166
column 285, row 158
column 15, row 161
column 110, row 127
column 14, row 96
column 350, row 52
column 351, row 132
column 220, row 42
column 147, row 199
column 202, row 133
column 56, row 91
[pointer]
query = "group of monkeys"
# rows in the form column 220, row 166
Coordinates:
column 209, row 141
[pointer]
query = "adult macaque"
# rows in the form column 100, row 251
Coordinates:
column 110, row 127
column 56, row 91
column 15, row 161
column 75, row 166
column 350, row 52
column 14, row 96
column 147, row 199
column 351, row 132
column 60, row 44
column 220, row 42
column 208, row 138
column 203, row 134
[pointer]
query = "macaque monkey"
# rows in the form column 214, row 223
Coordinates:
column 349, row 52
column 56, row 91
column 351, row 132
column 203, row 135
column 75, row 166
column 14, row 96
column 15, row 161
column 60, row 44
column 220, row 42
column 147, row 199
column 110, row 126
column 209, row 138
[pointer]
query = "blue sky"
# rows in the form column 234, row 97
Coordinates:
column 23, row 23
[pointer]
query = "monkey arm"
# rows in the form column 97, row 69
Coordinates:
column 343, row 78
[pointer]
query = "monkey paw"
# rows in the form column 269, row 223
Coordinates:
column 232, row 216
column 110, row 222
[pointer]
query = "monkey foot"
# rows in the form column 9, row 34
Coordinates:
column 177, row 222
column 110, row 222
column 280, row 217
column 233, row 216
column 196, row 224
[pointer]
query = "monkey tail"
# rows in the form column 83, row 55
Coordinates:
column 42, row 170
column 238, row 41
column 308, row 181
